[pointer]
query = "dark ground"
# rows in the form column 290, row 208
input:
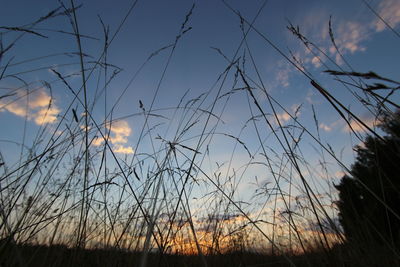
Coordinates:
column 61, row 256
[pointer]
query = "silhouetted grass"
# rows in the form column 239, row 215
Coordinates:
column 71, row 199
column 40, row 255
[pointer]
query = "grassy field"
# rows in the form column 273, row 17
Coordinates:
column 73, row 192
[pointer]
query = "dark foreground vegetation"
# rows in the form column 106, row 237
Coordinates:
column 369, row 201
column 61, row 256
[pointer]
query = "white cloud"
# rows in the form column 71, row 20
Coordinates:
column 122, row 149
column 39, row 100
column 316, row 62
column 296, row 109
column 357, row 127
column 283, row 117
column 46, row 115
column 37, row 106
column 282, row 76
column 120, row 127
column 325, row 127
column 348, row 36
column 120, row 131
column 16, row 108
column 389, row 10
column 97, row 141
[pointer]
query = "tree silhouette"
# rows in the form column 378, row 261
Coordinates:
column 369, row 201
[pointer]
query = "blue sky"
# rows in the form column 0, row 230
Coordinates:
column 365, row 42
column 194, row 67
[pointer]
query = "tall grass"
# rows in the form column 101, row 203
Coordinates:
column 69, row 191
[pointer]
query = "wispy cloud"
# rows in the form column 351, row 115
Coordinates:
column 284, row 117
column 350, row 35
column 37, row 106
column 389, row 10
column 316, row 62
column 120, row 131
column 325, row 127
column 331, row 126
column 282, row 76
column 357, row 127
column 280, row 73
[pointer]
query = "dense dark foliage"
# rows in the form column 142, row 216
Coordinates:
column 369, row 201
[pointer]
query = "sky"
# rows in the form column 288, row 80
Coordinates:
column 156, row 72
